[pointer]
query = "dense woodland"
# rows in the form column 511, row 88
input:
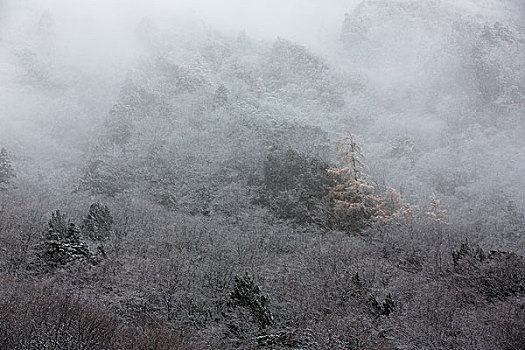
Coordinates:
column 225, row 192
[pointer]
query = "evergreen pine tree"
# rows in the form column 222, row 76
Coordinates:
column 6, row 169
column 61, row 243
column 248, row 295
column 220, row 98
column 98, row 222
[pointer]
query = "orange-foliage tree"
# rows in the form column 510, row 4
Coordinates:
column 356, row 203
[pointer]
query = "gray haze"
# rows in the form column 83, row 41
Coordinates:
column 406, row 69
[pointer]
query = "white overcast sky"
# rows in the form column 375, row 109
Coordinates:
column 301, row 20
column 102, row 30
column 99, row 31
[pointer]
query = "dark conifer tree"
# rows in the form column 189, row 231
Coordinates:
column 98, row 222
column 220, row 98
column 61, row 243
column 6, row 169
